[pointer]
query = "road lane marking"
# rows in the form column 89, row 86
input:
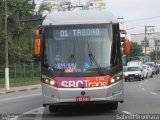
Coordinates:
column 15, row 118
column 19, row 97
column 126, row 112
column 143, row 89
column 38, row 112
column 154, row 93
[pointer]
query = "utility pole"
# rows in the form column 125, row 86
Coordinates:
column 156, row 48
column 6, row 47
column 150, row 29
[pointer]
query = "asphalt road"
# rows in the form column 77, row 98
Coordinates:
column 140, row 97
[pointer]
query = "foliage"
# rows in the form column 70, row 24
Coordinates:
column 17, row 35
column 153, row 55
column 136, row 49
column 43, row 7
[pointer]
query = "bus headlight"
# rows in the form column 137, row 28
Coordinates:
column 115, row 79
column 49, row 81
column 52, row 82
column 126, row 75
column 112, row 80
column 137, row 74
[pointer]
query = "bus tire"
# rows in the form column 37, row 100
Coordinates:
column 147, row 76
column 143, row 78
column 53, row 108
column 152, row 75
column 113, row 106
column 139, row 78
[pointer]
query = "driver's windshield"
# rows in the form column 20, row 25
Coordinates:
column 133, row 68
column 144, row 67
column 71, row 47
column 150, row 64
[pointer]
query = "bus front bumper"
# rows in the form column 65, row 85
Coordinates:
column 68, row 96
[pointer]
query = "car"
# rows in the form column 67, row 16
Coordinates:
column 152, row 65
column 157, row 69
column 133, row 72
column 147, row 71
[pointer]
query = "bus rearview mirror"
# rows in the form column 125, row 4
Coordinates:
column 37, row 45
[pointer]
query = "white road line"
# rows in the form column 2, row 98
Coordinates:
column 126, row 112
column 15, row 118
column 19, row 97
column 143, row 89
column 38, row 112
column 154, row 93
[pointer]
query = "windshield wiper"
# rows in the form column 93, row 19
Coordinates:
column 99, row 68
column 71, row 58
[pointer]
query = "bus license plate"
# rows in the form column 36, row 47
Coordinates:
column 82, row 99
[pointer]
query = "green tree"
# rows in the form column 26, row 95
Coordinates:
column 136, row 49
column 17, row 34
column 153, row 55
column 43, row 7
column 1, row 33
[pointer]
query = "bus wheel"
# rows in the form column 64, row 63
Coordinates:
column 147, row 75
column 139, row 78
column 143, row 78
column 151, row 75
column 113, row 106
column 53, row 108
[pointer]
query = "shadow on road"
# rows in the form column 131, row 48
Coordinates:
column 87, row 111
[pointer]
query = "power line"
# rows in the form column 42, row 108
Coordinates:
column 142, row 19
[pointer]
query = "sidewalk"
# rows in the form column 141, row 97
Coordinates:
column 20, row 88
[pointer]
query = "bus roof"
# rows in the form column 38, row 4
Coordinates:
column 79, row 17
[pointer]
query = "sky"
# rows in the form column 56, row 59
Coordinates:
column 135, row 13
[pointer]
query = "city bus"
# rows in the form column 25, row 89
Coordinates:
column 81, row 59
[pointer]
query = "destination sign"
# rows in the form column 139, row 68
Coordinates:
column 78, row 33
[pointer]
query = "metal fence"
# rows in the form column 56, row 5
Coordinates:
column 21, row 74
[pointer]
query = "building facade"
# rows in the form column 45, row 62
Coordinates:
column 96, row 4
column 56, row 5
column 152, row 41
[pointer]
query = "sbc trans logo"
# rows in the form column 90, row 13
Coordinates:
column 82, row 82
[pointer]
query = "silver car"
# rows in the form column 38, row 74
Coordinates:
column 147, row 71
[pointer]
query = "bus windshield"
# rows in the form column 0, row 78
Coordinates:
column 70, row 47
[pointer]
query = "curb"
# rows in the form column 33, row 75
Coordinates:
column 20, row 90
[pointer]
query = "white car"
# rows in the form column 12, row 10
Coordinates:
column 148, row 72
column 133, row 72
column 152, row 65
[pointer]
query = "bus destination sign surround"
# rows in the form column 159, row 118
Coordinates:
column 82, row 82
column 77, row 33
